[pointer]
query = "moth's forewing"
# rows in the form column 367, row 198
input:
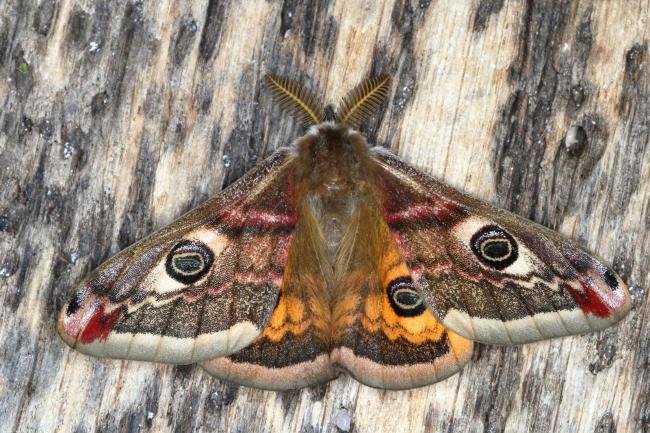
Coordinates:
column 203, row 287
column 488, row 274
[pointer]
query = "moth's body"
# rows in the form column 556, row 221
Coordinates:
column 332, row 174
column 335, row 256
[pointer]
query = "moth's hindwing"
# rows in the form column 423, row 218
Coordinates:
column 293, row 350
column 203, row 287
column 365, row 318
column 490, row 275
column 384, row 334
column 289, row 354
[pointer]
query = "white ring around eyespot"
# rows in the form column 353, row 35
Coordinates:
column 526, row 262
column 492, row 259
column 189, row 253
column 159, row 281
column 402, row 305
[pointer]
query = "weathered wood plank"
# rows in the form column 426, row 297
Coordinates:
column 117, row 116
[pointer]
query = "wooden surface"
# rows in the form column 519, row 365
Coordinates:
column 117, row 116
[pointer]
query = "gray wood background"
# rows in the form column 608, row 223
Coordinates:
column 118, row 116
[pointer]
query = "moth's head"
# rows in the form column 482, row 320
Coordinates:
column 359, row 104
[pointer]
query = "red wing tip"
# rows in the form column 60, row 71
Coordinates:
column 82, row 318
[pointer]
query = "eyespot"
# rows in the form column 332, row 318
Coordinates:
column 188, row 261
column 404, row 299
column 495, row 247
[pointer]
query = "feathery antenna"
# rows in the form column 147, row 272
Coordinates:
column 295, row 99
column 363, row 100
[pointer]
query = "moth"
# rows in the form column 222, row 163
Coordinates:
column 333, row 255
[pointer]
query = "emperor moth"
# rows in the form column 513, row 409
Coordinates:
column 333, row 255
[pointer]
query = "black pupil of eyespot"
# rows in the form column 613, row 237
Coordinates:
column 494, row 247
column 407, row 298
column 189, row 263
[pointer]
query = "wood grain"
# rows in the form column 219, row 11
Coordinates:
column 117, row 116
